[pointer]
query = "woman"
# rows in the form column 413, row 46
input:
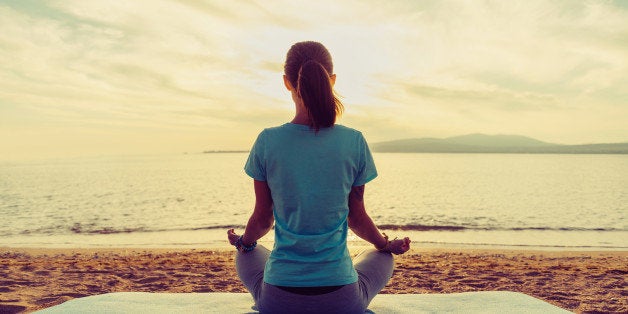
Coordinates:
column 309, row 178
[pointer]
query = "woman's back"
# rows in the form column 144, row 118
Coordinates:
column 310, row 175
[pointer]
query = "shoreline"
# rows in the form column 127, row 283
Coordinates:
column 580, row 281
column 546, row 240
column 417, row 249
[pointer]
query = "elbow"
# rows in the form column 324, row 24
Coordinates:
column 352, row 222
column 263, row 216
column 268, row 223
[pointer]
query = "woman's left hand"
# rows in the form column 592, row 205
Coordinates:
column 232, row 236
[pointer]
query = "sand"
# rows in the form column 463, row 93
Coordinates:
column 33, row 279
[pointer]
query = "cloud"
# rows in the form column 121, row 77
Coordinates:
column 405, row 68
column 476, row 63
column 104, row 68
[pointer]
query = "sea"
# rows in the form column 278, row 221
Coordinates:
column 514, row 201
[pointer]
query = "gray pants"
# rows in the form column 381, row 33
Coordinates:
column 374, row 269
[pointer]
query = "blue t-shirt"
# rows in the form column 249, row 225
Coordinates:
column 310, row 176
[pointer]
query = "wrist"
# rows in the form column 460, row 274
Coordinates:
column 383, row 243
column 240, row 246
column 244, row 240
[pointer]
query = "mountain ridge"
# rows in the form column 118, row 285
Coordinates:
column 501, row 143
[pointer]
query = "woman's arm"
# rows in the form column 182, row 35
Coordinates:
column 362, row 225
column 261, row 221
column 360, row 222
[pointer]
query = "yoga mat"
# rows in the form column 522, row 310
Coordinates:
column 219, row 302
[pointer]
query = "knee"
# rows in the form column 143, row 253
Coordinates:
column 386, row 260
column 377, row 254
column 383, row 260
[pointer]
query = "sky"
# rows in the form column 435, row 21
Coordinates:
column 98, row 78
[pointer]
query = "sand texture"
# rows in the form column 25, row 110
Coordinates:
column 33, row 279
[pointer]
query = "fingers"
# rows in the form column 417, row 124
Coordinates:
column 406, row 243
column 232, row 236
column 401, row 246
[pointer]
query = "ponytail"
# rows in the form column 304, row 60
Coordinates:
column 314, row 88
column 308, row 68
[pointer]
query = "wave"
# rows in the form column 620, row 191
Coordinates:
column 418, row 227
column 500, row 245
column 78, row 229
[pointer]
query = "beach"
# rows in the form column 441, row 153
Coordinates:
column 578, row 281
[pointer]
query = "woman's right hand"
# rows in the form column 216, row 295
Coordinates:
column 398, row 246
column 232, row 236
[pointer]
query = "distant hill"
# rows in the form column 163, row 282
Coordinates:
column 482, row 143
column 224, row 151
column 496, row 140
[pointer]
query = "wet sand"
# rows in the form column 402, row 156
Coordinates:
column 33, row 279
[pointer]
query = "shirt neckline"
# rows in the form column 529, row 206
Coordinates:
column 303, row 127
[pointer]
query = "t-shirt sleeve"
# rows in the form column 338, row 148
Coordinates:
column 366, row 165
column 255, row 166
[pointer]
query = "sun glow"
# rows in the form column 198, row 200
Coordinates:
column 91, row 78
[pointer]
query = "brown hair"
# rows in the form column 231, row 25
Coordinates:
column 308, row 68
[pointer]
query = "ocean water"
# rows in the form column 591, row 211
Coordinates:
column 476, row 200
